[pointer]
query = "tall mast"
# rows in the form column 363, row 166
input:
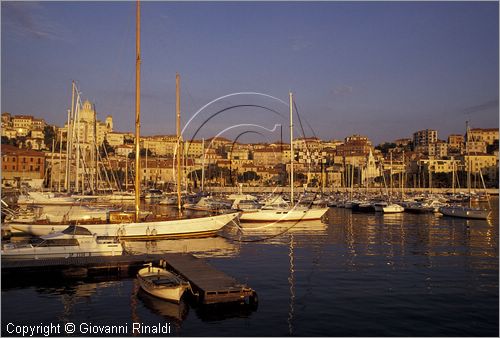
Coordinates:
column 291, row 148
column 202, row 163
column 178, row 129
column 137, row 110
column 69, row 142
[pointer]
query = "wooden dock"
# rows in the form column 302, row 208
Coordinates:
column 210, row 286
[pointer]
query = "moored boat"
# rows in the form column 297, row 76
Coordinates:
column 464, row 212
column 74, row 241
column 392, row 208
column 162, row 283
column 150, row 229
column 283, row 215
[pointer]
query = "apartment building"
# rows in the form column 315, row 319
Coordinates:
column 487, row 135
column 456, row 143
column 21, row 163
column 424, row 137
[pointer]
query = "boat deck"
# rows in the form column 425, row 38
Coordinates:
column 211, row 286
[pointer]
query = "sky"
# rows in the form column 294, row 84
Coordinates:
column 380, row 69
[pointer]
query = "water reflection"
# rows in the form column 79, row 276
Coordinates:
column 277, row 233
column 172, row 312
column 200, row 247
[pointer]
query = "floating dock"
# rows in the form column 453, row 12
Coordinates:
column 210, row 286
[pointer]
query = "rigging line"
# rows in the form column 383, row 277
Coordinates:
column 259, row 239
column 301, row 127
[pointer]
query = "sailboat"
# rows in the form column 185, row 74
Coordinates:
column 143, row 225
column 462, row 211
column 293, row 213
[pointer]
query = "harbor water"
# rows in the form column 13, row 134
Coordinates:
column 354, row 274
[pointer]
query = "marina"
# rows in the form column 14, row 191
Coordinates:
column 312, row 176
column 393, row 270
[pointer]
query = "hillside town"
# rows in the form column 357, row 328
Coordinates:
column 35, row 154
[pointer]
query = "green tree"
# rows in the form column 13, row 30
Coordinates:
column 248, row 176
column 106, row 148
column 49, row 134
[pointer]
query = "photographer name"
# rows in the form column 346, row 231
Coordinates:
column 86, row 328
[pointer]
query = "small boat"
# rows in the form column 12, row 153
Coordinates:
column 45, row 198
column 465, row 212
column 379, row 206
column 162, row 283
column 153, row 194
column 393, row 208
column 168, row 200
column 74, row 241
column 208, row 204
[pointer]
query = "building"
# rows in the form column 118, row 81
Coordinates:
column 487, row 135
column 22, row 121
column 267, row 157
column 355, row 145
column 115, row 139
column 21, row 164
column 89, row 131
column 424, row 137
column 124, row 150
column 487, row 164
column 456, row 143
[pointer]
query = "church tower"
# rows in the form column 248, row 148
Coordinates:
column 109, row 123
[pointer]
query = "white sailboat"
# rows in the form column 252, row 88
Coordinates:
column 293, row 213
column 137, row 226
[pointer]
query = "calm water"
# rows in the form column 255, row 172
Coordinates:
column 356, row 275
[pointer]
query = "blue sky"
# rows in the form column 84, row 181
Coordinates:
column 380, row 69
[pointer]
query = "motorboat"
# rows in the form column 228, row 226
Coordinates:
column 465, row 212
column 208, row 204
column 74, row 241
column 244, row 202
column 153, row 194
column 170, row 199
column 59, row 214
column 45, row 198
column 392, row 208
column 161, row 283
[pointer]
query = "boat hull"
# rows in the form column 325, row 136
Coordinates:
column 31, row 253
column 283, row 215
column 171, row 291
column 464, row 212
column 194, row 227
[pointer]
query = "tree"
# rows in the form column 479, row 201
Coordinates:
column 384, row 147
column 248, row 176
column 142, row 152
column 48, row 135
column 106, row 148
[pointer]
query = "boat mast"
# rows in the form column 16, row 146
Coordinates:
column 202, row 163
column 178, row 130
column 291, row 149
column 468, row 160
column 69, row 144
column 137, row 110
